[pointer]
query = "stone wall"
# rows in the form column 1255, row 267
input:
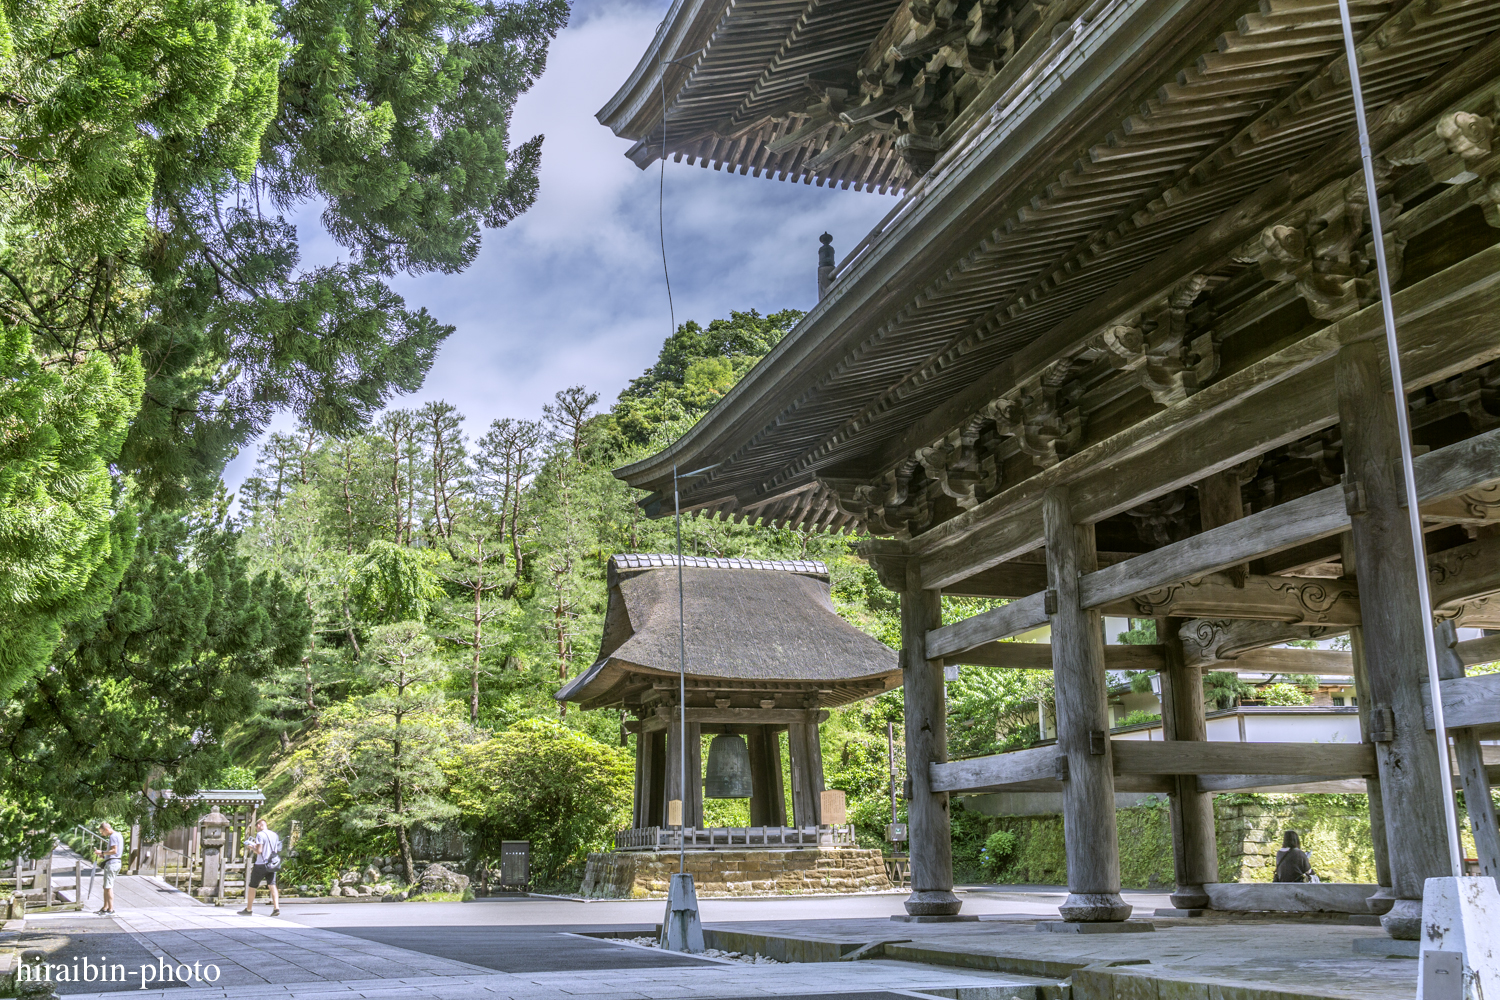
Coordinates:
column 1335, row 833
column 646, row 874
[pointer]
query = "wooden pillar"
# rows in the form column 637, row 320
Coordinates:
column 807, row 773
column 656, row 780
column 640, row 815
column 1393, row 639
column 929, row 826
column 1381, row 901
column 767, row 791
column 1195, row 851
column 693, row 806
column 1470, row 756
column 674, row 769
column 1089, row 829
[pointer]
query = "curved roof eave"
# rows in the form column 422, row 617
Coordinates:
column 635, row 109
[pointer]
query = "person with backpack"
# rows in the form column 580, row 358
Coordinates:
column 1291, row 861
column 267, row 849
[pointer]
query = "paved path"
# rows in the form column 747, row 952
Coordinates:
column 712, row 982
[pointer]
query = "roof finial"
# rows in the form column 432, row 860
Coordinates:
column 825, row 263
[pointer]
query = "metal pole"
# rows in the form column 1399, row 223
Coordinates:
column 682, row 671
column 1424, row 597
column 890, row 758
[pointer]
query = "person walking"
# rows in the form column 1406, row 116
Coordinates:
column 109, row 856
column 267, row 849
column 1292, row 864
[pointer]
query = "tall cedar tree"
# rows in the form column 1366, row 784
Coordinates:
column 154, row 151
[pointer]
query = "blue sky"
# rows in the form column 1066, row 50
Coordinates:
column 572, row 292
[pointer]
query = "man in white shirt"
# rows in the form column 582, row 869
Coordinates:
column 114, row 848
column 266, row 847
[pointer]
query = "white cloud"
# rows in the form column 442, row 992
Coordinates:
column 572, row 292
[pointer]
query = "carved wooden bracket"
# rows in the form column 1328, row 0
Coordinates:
column 1208, row 642
column 1321, row 248
column 1290, row 599
column 1460, row 150
column 1042, row 415
column 1167, row 360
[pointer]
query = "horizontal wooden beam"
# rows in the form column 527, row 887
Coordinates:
column 1446, row 327
column 1200, row 757
column 1467, row 701
column 1242, row 782
column 1293, row 599
column 1012, row 619
column 737, row 716
column 1299, row 600
column 1207, row 643
column 1181, row 580
column 1038, row 656
column 998, row 771
column 1465, row 572
column 1293, row 660
column 1040, row 768
column 1455, row 469
column 1485, row 649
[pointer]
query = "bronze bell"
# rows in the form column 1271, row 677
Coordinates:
column 728, row 769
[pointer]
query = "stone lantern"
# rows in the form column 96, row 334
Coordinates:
column 215, row 836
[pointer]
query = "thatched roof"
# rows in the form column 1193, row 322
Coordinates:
column 755, row 629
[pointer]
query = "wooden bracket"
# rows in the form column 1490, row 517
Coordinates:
column 1354, row 495
column 1382, row 724
column 1049, row 602
column 1098, row 742
column 1060, row 767
column 906, row 789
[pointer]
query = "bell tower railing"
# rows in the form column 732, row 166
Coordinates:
column 656, row 838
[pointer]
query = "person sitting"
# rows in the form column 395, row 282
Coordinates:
column 1291, row 861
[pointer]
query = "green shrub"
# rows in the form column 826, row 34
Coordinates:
column 1140, row 717
column 564, row 791
column 998, row 847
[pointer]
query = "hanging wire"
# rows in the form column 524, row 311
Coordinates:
column 1403, row 433
column 661, row 200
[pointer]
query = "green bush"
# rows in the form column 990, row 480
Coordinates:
column 561, row 789
column 1140, row 717
column 998, row 847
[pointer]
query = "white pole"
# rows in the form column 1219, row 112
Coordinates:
column 1424, row 597
column 681, row 675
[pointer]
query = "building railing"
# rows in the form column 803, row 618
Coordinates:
column 656, row 838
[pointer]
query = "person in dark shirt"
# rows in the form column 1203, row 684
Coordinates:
column 1291, row 861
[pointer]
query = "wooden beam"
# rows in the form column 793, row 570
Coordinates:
column 741, row 716
column 1038, row 656
column 1304, row 519
column 1465, row 572
column 1458, row 468
column 1304, row 783
column 999, row 771
column 1446, row 326
column 1485, row 649
column 1208, row 642
column 1298, row 600
column 1295, row 660
column 1173, row 757
column 1467, row 701
column 998, row 623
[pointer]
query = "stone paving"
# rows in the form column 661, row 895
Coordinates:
column 1181, row 958
column 715, row 982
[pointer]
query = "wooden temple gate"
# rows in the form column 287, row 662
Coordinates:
column 1117, row 349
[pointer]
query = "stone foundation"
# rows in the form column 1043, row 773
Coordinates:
column 646, row 874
